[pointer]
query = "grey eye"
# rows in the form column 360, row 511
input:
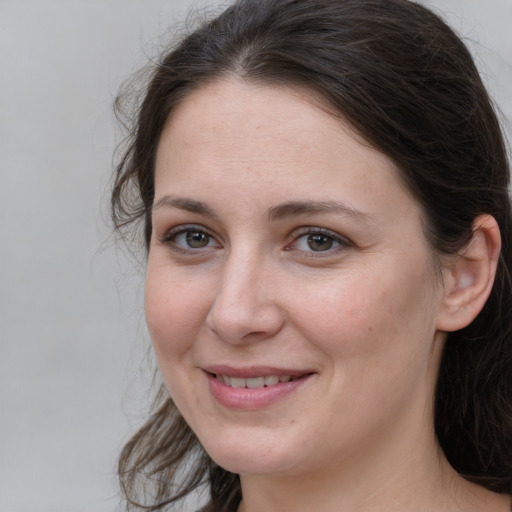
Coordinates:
column 193, row 239
column 197, row 239
column 320, row 242
column 316, row 241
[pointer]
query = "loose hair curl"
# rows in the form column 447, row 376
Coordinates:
column 408, row 85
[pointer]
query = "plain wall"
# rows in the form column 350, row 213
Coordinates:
column 72, row 335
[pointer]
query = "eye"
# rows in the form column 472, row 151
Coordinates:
column 190, row 238
column 318, row 240
column 193, row 239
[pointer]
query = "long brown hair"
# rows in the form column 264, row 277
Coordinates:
column 408, row 85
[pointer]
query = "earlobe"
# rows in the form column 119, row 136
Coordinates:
column 469, row 277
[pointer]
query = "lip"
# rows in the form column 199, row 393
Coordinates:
column 253, row 399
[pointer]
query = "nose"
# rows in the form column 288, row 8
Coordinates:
column 246, row 306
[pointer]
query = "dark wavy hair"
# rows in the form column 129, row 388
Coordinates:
column 408, row 85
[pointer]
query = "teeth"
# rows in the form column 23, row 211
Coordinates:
column 237, row 382
column 257, row 382
column 271, row 380
column 253, row 382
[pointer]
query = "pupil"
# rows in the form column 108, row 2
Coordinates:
column 197, row 239
column 319, row 242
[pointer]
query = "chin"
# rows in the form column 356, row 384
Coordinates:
column 256, row 458
column 254, row 464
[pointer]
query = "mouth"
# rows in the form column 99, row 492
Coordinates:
column 263, row 381
column 254, row 388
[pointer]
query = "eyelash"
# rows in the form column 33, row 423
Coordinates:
column 340, row 243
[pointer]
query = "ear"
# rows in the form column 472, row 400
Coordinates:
column 469, row 276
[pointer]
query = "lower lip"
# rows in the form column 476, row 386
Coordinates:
column 251, row 399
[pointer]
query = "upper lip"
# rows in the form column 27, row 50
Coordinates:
column 253, row 371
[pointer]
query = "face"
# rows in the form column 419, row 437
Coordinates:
column 290, row 295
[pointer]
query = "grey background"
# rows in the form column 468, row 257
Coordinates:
column 72, row 336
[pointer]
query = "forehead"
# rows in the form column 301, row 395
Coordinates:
column 285, row 140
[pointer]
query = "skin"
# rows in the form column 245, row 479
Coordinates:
column 365, row 315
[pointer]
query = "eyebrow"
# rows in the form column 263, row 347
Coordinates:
column 295, row 208
column 184, row 203
column 275, row 213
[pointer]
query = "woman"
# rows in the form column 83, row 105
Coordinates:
column 323, row 185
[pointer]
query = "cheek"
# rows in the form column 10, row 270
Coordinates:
column 175, row 312
column 342, row 306
column 174, row 309
column 376, row 337
column 369, row 315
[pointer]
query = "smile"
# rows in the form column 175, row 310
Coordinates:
column 253, row 382
column 253, row 388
